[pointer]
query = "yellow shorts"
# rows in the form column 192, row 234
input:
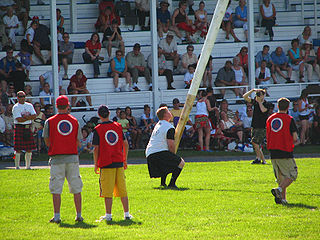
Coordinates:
column 284, row 168
column 112, row 182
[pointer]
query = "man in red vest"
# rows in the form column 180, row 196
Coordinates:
column 281, row 137
column 62, row 135
column 110, row 160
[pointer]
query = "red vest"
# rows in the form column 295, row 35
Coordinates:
column 63, row 134
column 278, row 132
column 110, row 143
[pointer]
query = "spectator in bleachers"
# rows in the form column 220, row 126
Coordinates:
column 281, row 62
column 117, row 116
column 11, row 93
column 263, row 74
column 305, row 36
column 226, row 77
column 247, row 120
column 27, row 41
column 28, row 92
column 137, row 66
column 181, row 21
column 147, row 122
column 7, row 65
column 188, row 76
column 190, row 4
column 60, row 20
column 4, row 38
column 240, row 75
column 78, row 85
column 26, row 60
column 170, row 49
column 143, row 11
column 118, row 68
column 304, row 112
column 265, row 55
column 22, row 9
column 310, row 60
column 134, row 130
column 296, row 59
column 268, row 14
column 8, row 119
column 37, row 125
column 11, row 22
column 48, row 110
column 294, row 112
column 243, row 57
column 112, row 38
column 201, row 21
column 105, row 19
column 163, row 18
column 18, row 77
column 187, row 59
column 92, row 51
column 163, row 70
column 47, row 77
column 231, row 127
column 241, row 19
column 207, row 74
column 65, row 53
column 227, row 24
column 46, row 93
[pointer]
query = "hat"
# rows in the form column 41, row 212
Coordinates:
column 62, row 100
column 103, row 111
column 175, row 100
column 164, row 2
column 307, row 42
column 170, row 34
column 35, row 18
column 136, row 46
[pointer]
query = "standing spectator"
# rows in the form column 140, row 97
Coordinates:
column 147, row 122
column 187, row 59
column 110, row 160
column 296, row 59
column 42, row 41
column 11, row 23
column 310, row 60
column 242, row 17
column 37, row 125
column 259, row 118
column 265, row 55
column 65, row 53
column 26, row 60
column 163, row 18
column 263, row 74
column 240, row 76
column 23, row 114
column 143, row 11
column 134, row 130
column 268, row 14
column 227, row 23
column 27, row 41
column 7, row 65
column 162, row 68
column 281, row 137
column 60, row 20
column 214, row 114
column 118, row 68
column 58, row 130
column 78, row 85
column 9, row 121
column 137, row 66
column 305, row 36
column 281, row 62
column 46, row 93
column 112, row 38
column 188, row 76
column 92, row 51
column 201, row 21
column 170, row 49
column 226, row 77
column 304, row 112
column 18, row 77
column 243, row 57
column 48, row 77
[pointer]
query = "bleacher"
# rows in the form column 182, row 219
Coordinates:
column 289, row 26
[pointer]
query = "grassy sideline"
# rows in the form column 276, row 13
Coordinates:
column 221, row 200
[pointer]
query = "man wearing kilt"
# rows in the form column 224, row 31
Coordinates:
column 23, row 113
column 160, row 151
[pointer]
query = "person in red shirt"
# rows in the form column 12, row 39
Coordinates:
column 281, row 137
column 243, row 56
column 78, row 85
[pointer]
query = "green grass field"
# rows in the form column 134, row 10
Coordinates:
column 221, row 200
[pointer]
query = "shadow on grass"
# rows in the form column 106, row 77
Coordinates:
column 82, row 225
column 124, row 223
column 172, row 189
column 300, row 205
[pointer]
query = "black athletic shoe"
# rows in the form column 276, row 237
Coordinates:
column 257, row 161
column 277, row 200
column 79, row 219
column 173, row 186
column 52, row 220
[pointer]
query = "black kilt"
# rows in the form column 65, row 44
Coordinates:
column 162, row 163
column 23, row 138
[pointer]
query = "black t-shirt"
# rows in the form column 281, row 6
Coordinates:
column 42, row 35
column 108, row 33
column 170, row 134
column 259, row 118
column 276, row 154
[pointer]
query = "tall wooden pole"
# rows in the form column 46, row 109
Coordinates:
column 205, row 54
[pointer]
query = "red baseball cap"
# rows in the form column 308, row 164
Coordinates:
column 35, row 18
column 62, row 101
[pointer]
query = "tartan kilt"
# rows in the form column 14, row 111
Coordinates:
column 23, row 138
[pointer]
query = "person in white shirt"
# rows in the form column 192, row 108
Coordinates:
column 46, row 92
column 160, row 151
column 48, row 77
column 11, row 24
column 23, row 114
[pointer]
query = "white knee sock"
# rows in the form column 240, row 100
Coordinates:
column 28, row 159
column 17, row 160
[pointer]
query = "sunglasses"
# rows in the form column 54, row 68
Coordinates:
column 21, row 96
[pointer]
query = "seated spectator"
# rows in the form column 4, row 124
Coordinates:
column 4, row 39
column 201, row 21
column 46, row 93
column 9, row 130
column 60, row 20
column 143, row 11
column 265, row 55
column 11, row 22
column 296, row 59
column 11, row 93
column 227, row 24
column 243, row 57
column 26, row 60
column 7, row 65
column 85, row 142
column 18, row 77
column 92, row 51
column 242, row 17
column 27, row 41
column 162, row 68
column 48, row 111
column 163, row 18
column 231, row 127
column 246, row 120
column 240, row 76
column 181, row 21
column 112, row 38
column 188, row 76
column 28, row 92
column 263, row 74
column 22, row 9
column 304, row 113
column 268, row 14
column 294, row 112
column 281, row 63
column 37, row 125
column 147, row 122
column 105, row 19
column 65, row 53
column 135, row 131
column 187, row 59
column 118, row 68
column 226, row 77
column 305, row 36
column 125, row 127
column 78, row 85
column 117, row 117
column 137, row 66
column 48, row 78
column 207, row 74
column 310, row 60
column 315, row 137
column 170, row 49
column 176, row 112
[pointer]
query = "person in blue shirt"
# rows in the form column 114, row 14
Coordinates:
column 281, row 62
column 7, row 66
column 163, row 18
column 265, row 55
column 241, row 19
